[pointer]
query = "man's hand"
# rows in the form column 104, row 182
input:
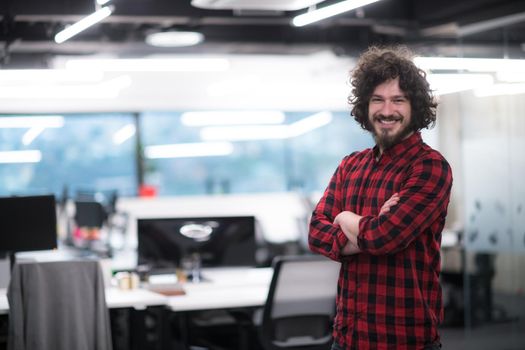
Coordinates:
column 349, row 224
column 350, row 249
column 389, row 204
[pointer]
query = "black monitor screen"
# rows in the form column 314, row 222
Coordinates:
column 28, row 223
column 220, row 241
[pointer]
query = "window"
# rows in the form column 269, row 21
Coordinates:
column 86, row 152
column 46, row 154
column 300, row 153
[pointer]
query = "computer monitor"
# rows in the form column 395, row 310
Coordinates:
column 28, row 223
column 230, row 241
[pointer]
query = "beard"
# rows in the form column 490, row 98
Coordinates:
column 385, row 138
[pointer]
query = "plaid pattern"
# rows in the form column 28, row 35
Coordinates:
column 389, row 296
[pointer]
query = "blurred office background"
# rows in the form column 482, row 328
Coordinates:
column 254, row 119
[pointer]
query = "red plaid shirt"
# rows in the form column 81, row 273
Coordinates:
column 389, row 295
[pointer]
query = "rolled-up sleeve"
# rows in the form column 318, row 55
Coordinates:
column 424, row 198
column 324, row 237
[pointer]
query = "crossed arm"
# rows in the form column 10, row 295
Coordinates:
column 349, row 224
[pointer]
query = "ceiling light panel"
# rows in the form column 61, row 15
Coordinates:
column 174, row 39
column 266, row 5
column 205, row 118
column 189, row 150
column 83, row 24
column 329, row 11
column 27, row 156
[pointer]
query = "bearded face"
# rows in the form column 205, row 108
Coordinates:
column 389, row 114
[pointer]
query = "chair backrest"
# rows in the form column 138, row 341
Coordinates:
column 90, row 214
column 300, row 307
column 58, row 305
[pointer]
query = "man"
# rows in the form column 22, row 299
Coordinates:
column 383, row 211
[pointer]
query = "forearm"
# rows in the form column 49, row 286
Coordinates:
column 348, row 222
column 325, row 238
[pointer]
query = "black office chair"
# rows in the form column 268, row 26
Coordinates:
column 90, row 214
column 300, row 307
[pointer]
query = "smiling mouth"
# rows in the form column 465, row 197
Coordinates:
column 387, row 121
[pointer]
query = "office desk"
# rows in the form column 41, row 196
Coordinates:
column 234, row 290
column 221, row 289
column 4, row 305
column 138, row 299
column 224, row 289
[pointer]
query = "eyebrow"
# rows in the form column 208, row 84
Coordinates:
column 395, row 96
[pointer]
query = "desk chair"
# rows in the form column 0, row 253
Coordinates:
column 91, row 216
column 58, row 305
column 300, row 307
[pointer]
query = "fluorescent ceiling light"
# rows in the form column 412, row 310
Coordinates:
column 194, row 64
column 243, row 133
column 124, row 133
column 471, row 64
column 450, row 83
column 31, row 134
column 310, row 123
column 83, row 24
column 174, row 39
column 498, row 22
column 29, row 156
column 48, row 121
column 268, row 5
column 49, row 75
column 184, row 150
column 203, row 118
column 501, row 89
column 102, row 2
column 329, row 11
column 265, row 132
column 35, row 125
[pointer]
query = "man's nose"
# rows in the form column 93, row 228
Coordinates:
column 387, row 108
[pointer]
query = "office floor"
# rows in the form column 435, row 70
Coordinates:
column 506, row 333
column 500, row 336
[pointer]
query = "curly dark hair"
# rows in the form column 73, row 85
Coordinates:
column 380, row 64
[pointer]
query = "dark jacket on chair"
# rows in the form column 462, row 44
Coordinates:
column 58, row 306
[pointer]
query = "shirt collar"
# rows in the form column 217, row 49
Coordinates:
column 400, row 148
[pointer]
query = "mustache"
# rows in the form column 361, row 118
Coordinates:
column 390, row 117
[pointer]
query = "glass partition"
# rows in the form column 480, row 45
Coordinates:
column 486, row 303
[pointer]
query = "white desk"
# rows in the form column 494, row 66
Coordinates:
column 138, row 299
column 4, row 305
column 115, row 298
column 224, row 288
